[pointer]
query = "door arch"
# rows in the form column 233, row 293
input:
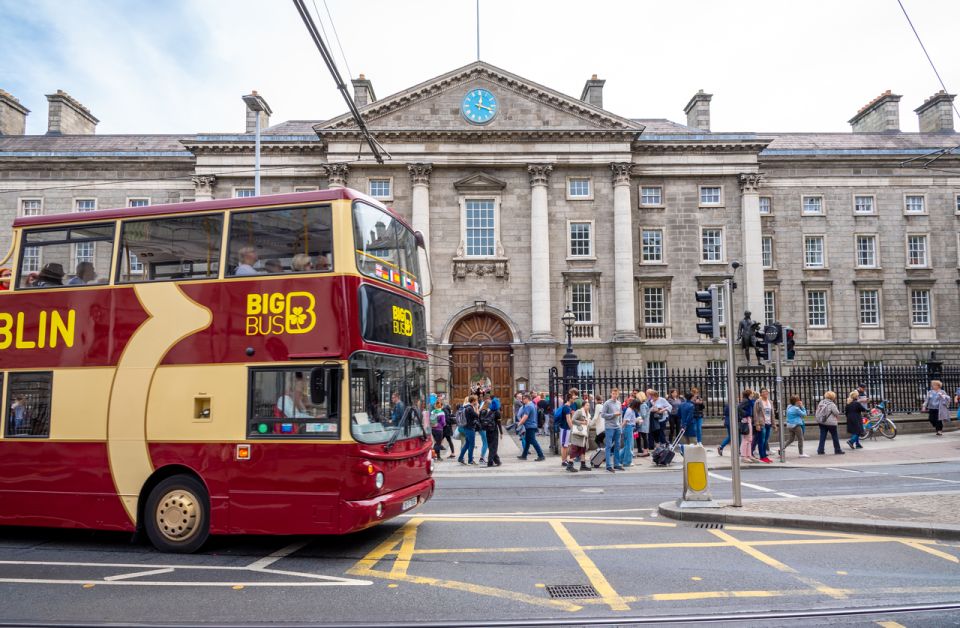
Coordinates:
column 481, row 352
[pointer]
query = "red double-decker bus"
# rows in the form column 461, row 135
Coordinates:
column 250, row 366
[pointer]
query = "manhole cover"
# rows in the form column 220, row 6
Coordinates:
column 571, row 591
column 709, row 526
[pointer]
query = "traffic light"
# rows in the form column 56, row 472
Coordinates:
column 763, row 347
column 708, row 312
column 790, row 342
column 773, row 333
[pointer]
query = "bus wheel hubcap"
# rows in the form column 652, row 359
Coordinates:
column 177, row 515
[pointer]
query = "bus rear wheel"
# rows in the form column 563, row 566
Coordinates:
column 177, row 515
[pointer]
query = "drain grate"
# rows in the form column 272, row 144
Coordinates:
column 709, row 526
column 571, row 591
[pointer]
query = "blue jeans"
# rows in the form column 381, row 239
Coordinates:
column 726, row 441
column 612, row 446
column 530, row 438
column 854, row 440
column 764, row 440
column 468, row 445
column 698, row 428
column 483, row 444
column 626, row 452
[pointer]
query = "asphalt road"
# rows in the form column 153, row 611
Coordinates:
column 487, row 548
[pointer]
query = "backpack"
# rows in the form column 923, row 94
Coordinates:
column 541, row 420
column 488, row 420
column 558, row 413
column 461, row 417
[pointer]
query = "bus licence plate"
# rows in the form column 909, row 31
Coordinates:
column 410, row 503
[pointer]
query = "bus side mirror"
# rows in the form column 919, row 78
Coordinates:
column 418, row 238
column 318, row 385
column 334, row 377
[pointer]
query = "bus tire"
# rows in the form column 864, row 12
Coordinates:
column 177, row 515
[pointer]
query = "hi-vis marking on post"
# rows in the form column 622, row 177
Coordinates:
column 279, row 313
column 51, row 329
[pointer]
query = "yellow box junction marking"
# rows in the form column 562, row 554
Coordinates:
column 596, row 577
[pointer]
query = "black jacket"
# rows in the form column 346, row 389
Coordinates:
column 854, row 412
column 473, row 419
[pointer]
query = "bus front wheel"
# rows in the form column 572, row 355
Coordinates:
column 177, row 515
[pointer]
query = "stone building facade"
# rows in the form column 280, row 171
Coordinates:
column 850, row 238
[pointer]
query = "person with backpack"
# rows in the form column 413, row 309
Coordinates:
column 448, row 426
column 827, row 415
column 745, row 425
column 699, row 407
column 561, row 418
column 438, row 421
column 490, row 424
column 482, row 411
column 937, row 406
column 688, row 415
column 469, row 421
column 674, row 399
column 527, row 422
column 659, row 414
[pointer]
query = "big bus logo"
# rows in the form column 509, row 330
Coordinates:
column 280, row 313
column 402, row 321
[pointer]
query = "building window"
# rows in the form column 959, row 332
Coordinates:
column 31, row 259
column 581, row 301
column 654, row 308
column 813, row 205
column 84, row 252
column 766, row 244
column 580, row 239
column 653, row 196
column 813, row 256
column 709, row 195
column 138, row 202
column 711, row 245
column 920, row 307
column 481, row 236
column 917, row 251
column 717, row 379
column 135, row 265
column 244, row 192
column 769, row 307
column 578, row 188
column 816, row 308
column 585, row 369
column 914, row 204
column 863, row 204
column 656, row 376
column 29, row 397
column 765, row 205
column 85, row 204
column 380, row 188
column 869, row 306
column 721, row 306
column 31, row 207
column 651, row 246
column 866, row 251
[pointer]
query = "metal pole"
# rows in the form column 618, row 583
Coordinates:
column 478, row 30
column 256, row 159
column 783, row 454
column 732, row 397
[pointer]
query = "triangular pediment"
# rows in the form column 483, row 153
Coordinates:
column 524, row 107
column 479, row 182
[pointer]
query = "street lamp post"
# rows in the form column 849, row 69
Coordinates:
column 570, row 361
column 257, row 105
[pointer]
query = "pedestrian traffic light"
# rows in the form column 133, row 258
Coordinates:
column 773, row 333
column 762, row 346
column 790, row 342
column 708, row 312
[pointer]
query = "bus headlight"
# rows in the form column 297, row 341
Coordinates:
column 379, row 479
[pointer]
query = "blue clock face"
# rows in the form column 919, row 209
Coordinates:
column 479, row 106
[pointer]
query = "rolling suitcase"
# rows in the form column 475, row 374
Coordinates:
column 598, row 458
column 662, row 456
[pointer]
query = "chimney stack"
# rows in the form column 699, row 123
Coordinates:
column 363, row 92
column 255, row 106
column 880, row 115
column 13, row 115
column 66, row 116
column 698, row 111
column 593, row 92
column 936, row 113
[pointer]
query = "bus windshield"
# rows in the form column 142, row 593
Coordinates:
column 386, row 395
column 386, row 249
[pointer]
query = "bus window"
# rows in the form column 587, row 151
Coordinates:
column 280, row 406
column 170, row 249
column 67, row 256
column 386, row 395
column 28, row 405
column 386, row 249
column 274, row 241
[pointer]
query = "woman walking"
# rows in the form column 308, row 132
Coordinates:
column 854, row 411
column 491, row 424
column 643, row 426
column 438, row 421
column 795, row 424
column 579, row 423
column 937, row 406
column 763, row 421
column 699, row 407
column 469, row 427
column 448, row 426
column 827, row 415
column 628, row 424
column 745, row 425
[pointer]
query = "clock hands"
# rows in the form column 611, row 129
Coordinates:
column 479, row 106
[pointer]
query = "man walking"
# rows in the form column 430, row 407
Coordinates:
column 527, row 421
column 659, row 411
column 610, row 412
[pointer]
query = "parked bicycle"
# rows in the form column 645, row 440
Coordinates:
column 877, row 422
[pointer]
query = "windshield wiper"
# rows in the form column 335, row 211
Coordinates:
column 402, row 427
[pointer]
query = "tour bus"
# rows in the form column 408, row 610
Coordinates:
column 239, row 366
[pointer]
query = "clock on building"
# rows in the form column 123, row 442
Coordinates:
column 479, row 106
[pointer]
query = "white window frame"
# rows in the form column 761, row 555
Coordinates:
column 593, row 300
column 650, row 205
column 389, row 181
column 910, row 294
column 769, row 206
column 24, row 258
column 663, row 248
column 773, row 301
column 131, row 199
column 592, row 255
column 823, row 251
column 879, row 311
column 922, row 196
column 80, row 199
column 663, row 306
column 497, row 246
column 803, row 205
column 25, row 199
column 76, row 252
column 579, row 197
column 723, row 245
column 763, row 241
column 926, row 249
column 700, row 200
column 856, row 250
column 236, row 190
column 826, row 308
column 716, row 372
column 873, row 205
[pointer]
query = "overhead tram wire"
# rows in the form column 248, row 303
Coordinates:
column 335, row 35
column 375, row 147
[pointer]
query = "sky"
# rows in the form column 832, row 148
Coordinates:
column 181, row 66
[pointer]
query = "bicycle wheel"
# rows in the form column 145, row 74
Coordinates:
column 888, row 429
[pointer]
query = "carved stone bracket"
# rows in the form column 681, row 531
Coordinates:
column 621, row 173
column 539, row 174
column 499, row 268
column 420, row 173
column 750, row 182
column 336, row 174
column 204, row 184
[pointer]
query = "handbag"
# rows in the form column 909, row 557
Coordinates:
column 744, row 429
column 579, row 430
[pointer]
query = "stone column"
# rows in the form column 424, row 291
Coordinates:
column 203, row 187
column 752, row 253
column 336, row 175
column 539, row 253
column 420, row 201
column 625, row 328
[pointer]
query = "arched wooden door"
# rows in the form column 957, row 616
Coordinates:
column 481, row 352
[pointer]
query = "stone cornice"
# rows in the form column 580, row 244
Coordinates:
column 478, row 136
column 681, row 145
column 247, row 147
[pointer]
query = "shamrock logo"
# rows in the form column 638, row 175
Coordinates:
column 296, row 317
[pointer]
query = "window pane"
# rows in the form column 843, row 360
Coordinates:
column 767, row 252
column 244, row 192
column 480, row 232
column 28, row 405
column 280, row 241
column 385, row 248
column 769, row 307
column 765, row 204
column 31, row 207
column 651, row 196
column 657, row 376
column 866, row 251
column 580, row 239
column 717, row 379
column 86, row 204
column 863, row 204
column 653, row 306
column 383, row 390
column 869, row 308
column 812, row 205
column 709, row 196
column 915, row 204
column 380, row 188
column 280, row 406
column 581, row 301
column 138, row 202
column 813, row 252
column 920, row 308
column 712, row 245
column 817, row 308
column 172, row 249
column 652, row 245
column 917, row 250
column 579, row 187
column 66, row 257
